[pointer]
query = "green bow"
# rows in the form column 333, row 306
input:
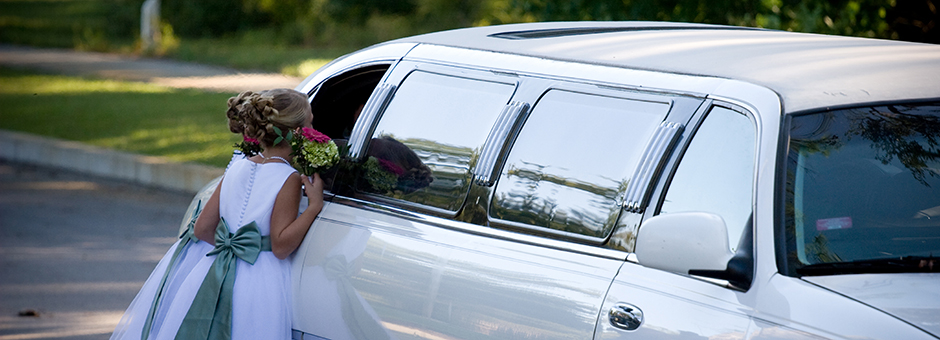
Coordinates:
column 188, row 235
column 210, row 316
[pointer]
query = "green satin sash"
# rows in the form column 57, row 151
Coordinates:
column 210, row 316
column 361, row 324
column 187, row 236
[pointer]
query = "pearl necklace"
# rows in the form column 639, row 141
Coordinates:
column 273, row 157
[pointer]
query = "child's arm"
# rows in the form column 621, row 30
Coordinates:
column 209, row 218
column 287, row 231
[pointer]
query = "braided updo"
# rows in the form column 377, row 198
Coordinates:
column 255, row 114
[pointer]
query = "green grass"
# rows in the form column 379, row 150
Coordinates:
column 182, row 125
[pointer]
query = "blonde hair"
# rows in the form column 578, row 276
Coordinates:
column 255, row 114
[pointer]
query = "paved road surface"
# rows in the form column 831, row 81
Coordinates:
column 75, row 249
column 157, row 71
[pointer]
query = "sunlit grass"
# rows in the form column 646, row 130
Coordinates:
column 304, row 68
column 183, row 125
column 47, row 84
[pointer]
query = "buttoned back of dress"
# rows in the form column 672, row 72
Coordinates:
column 248, row 193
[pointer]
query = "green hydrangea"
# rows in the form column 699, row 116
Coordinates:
column 315, row 157
column 379, row 178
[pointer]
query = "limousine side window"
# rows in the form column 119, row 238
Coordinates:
column 572, row 161
column 340, row 99
column 716, row 172
column 428, row 137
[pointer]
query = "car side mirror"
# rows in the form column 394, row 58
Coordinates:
column 695, row 243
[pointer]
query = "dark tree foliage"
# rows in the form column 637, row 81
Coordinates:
column 212, row 18
column 915, row 20
column 358, row 11
column 912, row 20
column 702, row 11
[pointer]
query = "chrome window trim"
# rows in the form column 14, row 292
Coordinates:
column 539, row 230
column 662, row 141
column 497, row 143
column 417, row 207
column 372, row 113
column 312, row 90
column 750, row 112
column 482, row 230
column 653, row 82
column 367, row 121
column 583, row 87
column 390, row 53
column 361, row 135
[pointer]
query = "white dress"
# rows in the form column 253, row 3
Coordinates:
column 132, row 323
column 261, row 293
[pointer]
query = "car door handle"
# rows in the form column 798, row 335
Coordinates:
column 625, row 316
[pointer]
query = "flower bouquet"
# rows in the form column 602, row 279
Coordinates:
column 382, row 175
column 313, row 151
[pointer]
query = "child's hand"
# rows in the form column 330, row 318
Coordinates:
column 313, row 187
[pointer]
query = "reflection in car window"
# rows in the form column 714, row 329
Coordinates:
column 862, row 185
column 441, row 121
column 572, row 161
column 716, row 172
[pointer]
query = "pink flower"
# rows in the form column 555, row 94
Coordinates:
column 391, row 167
column 250, row 140
column 314, row 135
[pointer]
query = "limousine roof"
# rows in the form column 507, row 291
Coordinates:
column 808, row 71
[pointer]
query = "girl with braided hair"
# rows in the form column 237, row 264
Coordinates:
column 241, row 288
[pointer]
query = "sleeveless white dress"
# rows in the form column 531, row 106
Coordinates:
column 132, row 323
column 261, row 298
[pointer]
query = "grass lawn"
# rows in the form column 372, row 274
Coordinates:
column 183, row 125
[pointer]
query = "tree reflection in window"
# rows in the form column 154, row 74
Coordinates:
column 862, row 184
column 570, row 165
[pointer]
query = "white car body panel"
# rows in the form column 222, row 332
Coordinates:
column 412, row 276
column 440, row 277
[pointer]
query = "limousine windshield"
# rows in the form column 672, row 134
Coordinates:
column 863, row 191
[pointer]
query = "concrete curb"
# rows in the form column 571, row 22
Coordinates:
column 150, row 171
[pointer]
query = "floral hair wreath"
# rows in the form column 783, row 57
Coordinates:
column 312, row 151
column 249, row 146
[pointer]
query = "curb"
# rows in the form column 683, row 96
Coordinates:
column 150, row 171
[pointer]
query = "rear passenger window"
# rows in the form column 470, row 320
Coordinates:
column 427, row 138
column 716, row 172
column 572, row 162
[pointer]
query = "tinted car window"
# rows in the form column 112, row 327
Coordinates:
column 716, row 172
column 862, row 185
column 427, row 138
column 572, row 160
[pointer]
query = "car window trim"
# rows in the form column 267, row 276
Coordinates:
column 585, row 88
column 474, row 229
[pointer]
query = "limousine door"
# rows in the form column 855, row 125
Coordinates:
column 715, row 175
column 415, row 246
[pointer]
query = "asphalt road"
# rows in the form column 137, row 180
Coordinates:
column 75, row 249
column 163, row 72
